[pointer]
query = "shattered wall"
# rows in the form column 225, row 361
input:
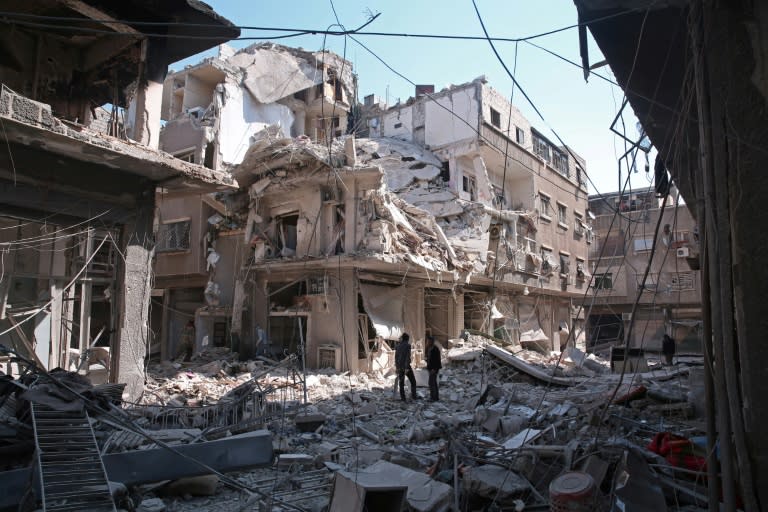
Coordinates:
column 238, row 94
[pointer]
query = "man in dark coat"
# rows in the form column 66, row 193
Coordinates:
column 403, row 366
column 668, row 348
column 432, row 354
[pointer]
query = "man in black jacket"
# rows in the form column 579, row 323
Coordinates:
column 403, row 366
column 432, row 354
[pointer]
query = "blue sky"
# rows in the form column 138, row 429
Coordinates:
column 580, row 112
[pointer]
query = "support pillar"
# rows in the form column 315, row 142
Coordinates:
column 165, row 349
column 135, row 283
column 149, row 95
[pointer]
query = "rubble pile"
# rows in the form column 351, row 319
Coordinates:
column 502, row 433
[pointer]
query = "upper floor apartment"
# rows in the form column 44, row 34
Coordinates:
column 491, row 154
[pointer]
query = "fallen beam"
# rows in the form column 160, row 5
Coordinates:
column 235, row 453
column 528, row 369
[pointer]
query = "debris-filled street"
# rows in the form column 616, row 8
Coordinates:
column 502, row 434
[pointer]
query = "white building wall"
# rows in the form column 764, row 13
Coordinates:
column 398, row 123
column 443, row 127
column 492, row 99
column 241, row 117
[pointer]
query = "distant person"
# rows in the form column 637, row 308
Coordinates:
column 187, row 342
column 668, row 348
column 432, row 354
column 403, row 366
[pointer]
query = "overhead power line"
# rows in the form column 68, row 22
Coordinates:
column 39, row 20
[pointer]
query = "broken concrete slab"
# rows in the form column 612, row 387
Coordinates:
column 494, row 482
column 423, row 494
column 523, row 437
column 531, row 370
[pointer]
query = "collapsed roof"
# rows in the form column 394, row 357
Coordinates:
column 413, row 216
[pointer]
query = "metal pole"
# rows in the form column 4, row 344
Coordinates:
column 303, row 360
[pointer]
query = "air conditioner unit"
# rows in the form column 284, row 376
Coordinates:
column 683, row 252
column 626, row 317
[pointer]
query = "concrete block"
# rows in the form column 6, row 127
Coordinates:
column 151, row 505
column 423, row 494
column 288, row 461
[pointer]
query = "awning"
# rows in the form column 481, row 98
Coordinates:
column 384, row 306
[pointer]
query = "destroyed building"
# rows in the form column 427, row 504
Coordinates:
column 263, row 257
column 78, row 189
column 211, row 112
column 342, row 246
column 671, row 299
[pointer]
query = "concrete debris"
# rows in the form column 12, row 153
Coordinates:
column 495, row 482
column 500, row 433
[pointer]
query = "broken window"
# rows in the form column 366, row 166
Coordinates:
column 541, row 147
column 287, row 232
column 603, row 281
column 565, row 263
column 560, row 163
column 581, row 177
column 547, row 261
column 186, row 155
column 562, row 214
column 545, row 206
column 581, row 272
column 578, row 223
column 519, row 135
column 173, row 236
column 495, row 118
column 499, row 201
column 469, row 185
column 336, row 245
column 398, row 125
column 445, row 172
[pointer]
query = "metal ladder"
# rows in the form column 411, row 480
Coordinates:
column 71, row 472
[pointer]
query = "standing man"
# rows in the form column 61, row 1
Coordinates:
column 403, row 366
column 187, row 342
column 668, row 348
column 432, row 353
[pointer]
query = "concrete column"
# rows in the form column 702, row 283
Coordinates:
column 458, row 315
column 149, row 95
column 135, row 288
column 349, row 309
column 165, row 349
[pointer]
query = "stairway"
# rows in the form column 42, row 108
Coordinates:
column 71, row 472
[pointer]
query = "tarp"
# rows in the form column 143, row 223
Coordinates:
column 530, row 329
column 384, row 306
